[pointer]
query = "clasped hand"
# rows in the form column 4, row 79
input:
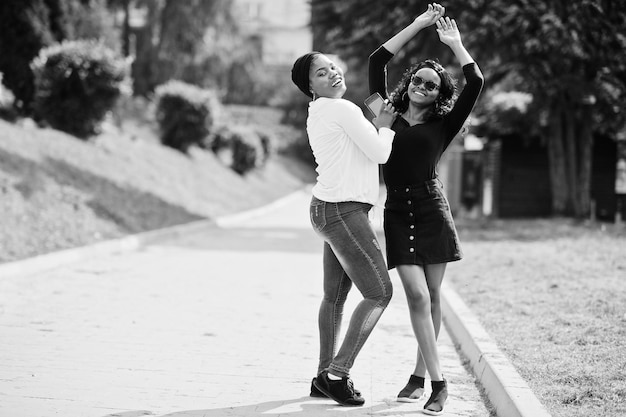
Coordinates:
column 433, row 13
column 386, row 116
column 446, row 28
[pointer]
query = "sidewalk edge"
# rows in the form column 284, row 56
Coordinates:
column 509, row 394
column 129, row 243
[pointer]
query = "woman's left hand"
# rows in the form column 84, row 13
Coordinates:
column 448, row 31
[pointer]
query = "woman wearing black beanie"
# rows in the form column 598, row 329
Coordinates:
column 347, row 150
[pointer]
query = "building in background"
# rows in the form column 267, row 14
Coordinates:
column 280, row 28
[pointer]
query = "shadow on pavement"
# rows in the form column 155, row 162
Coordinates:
column 302, row 407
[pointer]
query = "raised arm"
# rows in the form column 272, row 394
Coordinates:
column 379, row 58
column 449, row 34
column 432, row 14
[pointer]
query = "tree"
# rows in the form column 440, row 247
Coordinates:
column 570, row 60
column 212, row 52
column 27, row 26
column 95, row 20
column 567, row 55
column 124, row 6
column 30, row 25
column 165, row 51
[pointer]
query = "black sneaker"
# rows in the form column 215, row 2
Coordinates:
column 319, row 394
column 315, row 392
column 341, row 391
column 434, row 405
column 413, row 391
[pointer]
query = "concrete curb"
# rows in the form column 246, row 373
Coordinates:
column 505, row 388
column 132, row 242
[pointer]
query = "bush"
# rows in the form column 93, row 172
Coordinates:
column 219, row 140
column 185, row 114
column 247, row 150
column 7, row 111
column 267, row 141
column 76, row 84
column 243, row 146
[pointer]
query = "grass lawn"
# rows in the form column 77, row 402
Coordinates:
column 552, row 294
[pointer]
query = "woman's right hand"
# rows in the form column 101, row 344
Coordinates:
column 434, row 12
column 386, row 116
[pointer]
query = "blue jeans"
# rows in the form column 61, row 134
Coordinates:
column 351, row 255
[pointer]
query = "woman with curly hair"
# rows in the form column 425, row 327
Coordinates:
column 419, row 230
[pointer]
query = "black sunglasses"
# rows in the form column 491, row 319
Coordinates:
column 416, row 80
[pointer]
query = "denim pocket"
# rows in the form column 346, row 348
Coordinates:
column 317, row 213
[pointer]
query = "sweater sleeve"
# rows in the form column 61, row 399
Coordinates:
column 378, row 71
column 465, row 102
column 376, row 145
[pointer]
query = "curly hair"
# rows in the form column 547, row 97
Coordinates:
column 444, row 101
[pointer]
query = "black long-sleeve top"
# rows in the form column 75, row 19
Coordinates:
column 417, row 149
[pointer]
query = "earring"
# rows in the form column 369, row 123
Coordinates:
column 405, row 96
column 438, row 105
column 314, row 95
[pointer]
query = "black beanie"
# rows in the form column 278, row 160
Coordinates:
column 300, row 72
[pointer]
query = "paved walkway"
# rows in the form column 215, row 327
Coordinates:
column 219, row 323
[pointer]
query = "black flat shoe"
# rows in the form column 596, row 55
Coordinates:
column 413, row 391
column 341, row 391
column 434, row 405
column 319, row 394
column 315, row 392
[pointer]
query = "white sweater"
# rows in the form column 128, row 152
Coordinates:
column 347, row 150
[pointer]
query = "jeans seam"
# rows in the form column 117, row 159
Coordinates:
column 372, row 264
column 360, row 342
column 335, row 304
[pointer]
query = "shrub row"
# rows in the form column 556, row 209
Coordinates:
column 78, row 82
column 187, row 114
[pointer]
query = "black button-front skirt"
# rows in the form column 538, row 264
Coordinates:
column 419, row 229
